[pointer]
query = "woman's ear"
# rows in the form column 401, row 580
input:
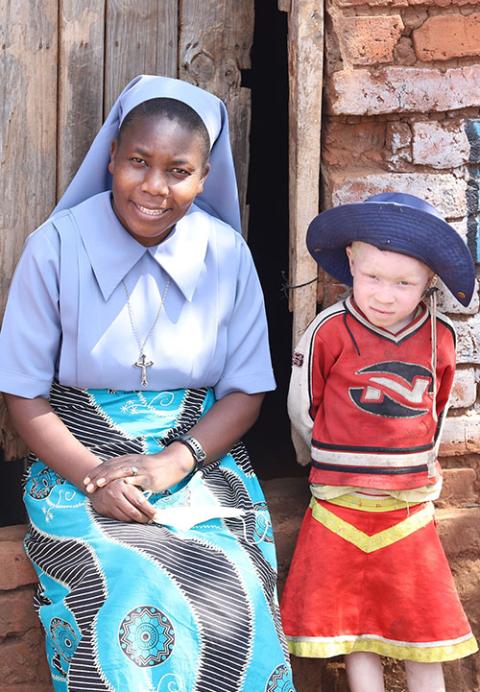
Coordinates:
column 113, row 152
column 206, row 171
column 202, row 180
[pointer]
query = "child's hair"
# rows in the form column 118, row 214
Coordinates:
column 354, row 246
column 172, row 109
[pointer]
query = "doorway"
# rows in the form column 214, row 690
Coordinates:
column 267, row 196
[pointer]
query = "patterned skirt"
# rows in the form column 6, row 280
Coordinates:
column 372, row 576
column 129, row 607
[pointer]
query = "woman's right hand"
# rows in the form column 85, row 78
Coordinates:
column 122, row 501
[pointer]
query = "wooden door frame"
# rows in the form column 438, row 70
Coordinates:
column 305, row 61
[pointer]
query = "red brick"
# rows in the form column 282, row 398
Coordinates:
column 16, row 567
column 30, row 687
column 23, row 660
column 404, row 3
column 402, row 90
column 458, row 487
column 346, row 144
column 459, row 530
column 371, row 3
column 448, row 36
column 368, row 40
column 17, row 614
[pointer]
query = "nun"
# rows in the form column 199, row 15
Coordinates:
column 134, row 356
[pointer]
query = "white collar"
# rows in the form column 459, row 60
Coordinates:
column 113, row 252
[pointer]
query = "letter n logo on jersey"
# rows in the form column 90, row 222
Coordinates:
column 394, row 390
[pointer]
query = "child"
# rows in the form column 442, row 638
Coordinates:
column 369, row 392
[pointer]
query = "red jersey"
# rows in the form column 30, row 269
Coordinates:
column 362, row 398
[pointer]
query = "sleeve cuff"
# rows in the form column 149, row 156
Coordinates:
column 253, row 383
column 20, row 385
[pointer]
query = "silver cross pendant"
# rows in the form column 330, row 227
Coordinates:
column 143, row 363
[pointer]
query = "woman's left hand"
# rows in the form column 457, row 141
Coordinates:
column 155, row 472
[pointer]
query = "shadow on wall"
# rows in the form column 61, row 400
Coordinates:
column 472, row 130
column 269, row 441
column 11, row 503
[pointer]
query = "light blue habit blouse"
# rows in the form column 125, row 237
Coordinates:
column 67, row 315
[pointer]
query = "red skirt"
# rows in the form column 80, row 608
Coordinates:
column 373, row 576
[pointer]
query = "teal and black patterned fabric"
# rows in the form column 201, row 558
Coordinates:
column 153, row 608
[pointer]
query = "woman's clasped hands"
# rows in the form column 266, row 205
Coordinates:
column 116, row 486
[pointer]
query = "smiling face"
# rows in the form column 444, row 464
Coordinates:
column 387, row 286
column 158, row 167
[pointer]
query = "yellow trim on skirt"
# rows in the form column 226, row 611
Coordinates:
column 382, row 539
column 325, row 647
column 365, row 504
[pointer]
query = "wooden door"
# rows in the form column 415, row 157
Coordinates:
column 64, row 62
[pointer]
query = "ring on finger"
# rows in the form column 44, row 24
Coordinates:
column 133, row 470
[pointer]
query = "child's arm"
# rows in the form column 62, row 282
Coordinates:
column 445, row 375
column 305, row 393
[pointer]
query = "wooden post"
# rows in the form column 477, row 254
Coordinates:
column 305, row 57
column 214, row 46
column 141, row 38
column 28, row 115
column 80, row 83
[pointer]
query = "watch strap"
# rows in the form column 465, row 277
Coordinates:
column 198, row 453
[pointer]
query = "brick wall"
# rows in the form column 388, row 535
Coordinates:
column 402, row 97
column 402, row 112
column 23, row 666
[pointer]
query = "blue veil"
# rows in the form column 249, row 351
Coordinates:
column 220, row 194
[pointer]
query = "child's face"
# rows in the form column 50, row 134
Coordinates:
column 387, row 286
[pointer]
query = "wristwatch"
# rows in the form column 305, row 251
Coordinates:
column 198, row 453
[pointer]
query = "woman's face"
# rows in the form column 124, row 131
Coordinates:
column 158, row 168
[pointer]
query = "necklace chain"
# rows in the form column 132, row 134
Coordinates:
column 142, row 361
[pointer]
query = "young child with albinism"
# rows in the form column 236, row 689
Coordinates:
column 370, row 385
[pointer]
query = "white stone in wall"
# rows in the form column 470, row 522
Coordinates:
column 461, row 435
column 440, row 144
column 468, row 332
column 399, row 89
column 448, row 304
column 444, row 191
column 464, row 392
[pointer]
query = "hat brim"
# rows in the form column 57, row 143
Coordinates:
column 397, row 228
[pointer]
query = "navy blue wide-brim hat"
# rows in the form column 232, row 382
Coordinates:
column 397, row 222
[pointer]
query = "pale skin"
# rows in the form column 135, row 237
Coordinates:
column 388, row 287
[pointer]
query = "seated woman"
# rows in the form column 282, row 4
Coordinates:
column 134, row 356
